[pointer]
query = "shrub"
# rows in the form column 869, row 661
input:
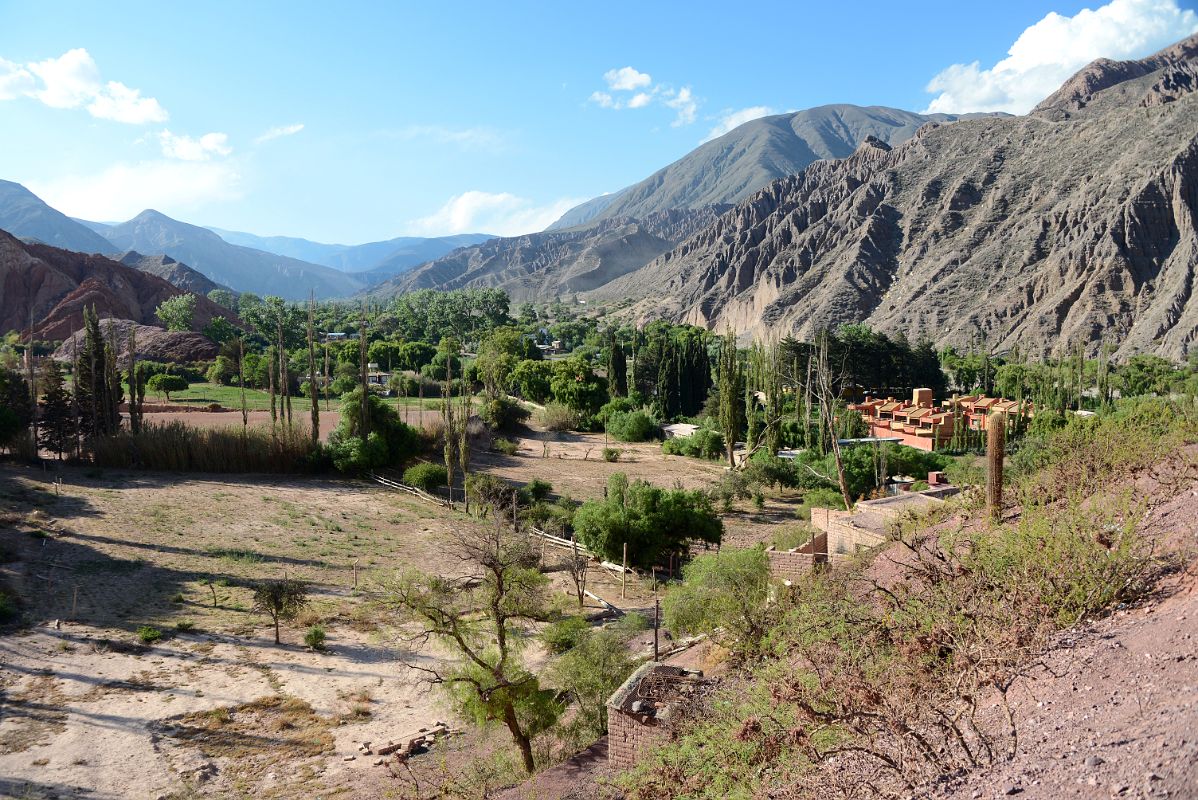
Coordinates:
column 820, row 498
column 557, row 417
column 612, row 454
column 508, row 447
column 184, row 626
column 538, row 489
column 631, row 426
column 564, row 634
column 148, row 635
column 426, row 476
column 722, row 594
column 704, row 444
column 503, row 413
column 315, row 637
column 390, row 441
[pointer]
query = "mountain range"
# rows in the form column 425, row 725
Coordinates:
column 180, row 251
column 1072, row 225
column 618, row 233
column 731, row 167
column 1075, row 224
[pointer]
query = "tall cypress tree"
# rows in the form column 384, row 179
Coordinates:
column 57, row 430
column 97, row 382
column 731, row 387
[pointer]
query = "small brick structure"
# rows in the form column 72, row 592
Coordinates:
column 639, row 712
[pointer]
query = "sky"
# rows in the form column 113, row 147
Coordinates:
column 359, row 121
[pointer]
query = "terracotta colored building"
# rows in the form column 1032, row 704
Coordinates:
column 920, row 422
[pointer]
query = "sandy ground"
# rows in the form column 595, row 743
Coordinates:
column 105, row 553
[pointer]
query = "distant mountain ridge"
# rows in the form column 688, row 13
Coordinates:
column 27, row 216
column 387, row 257
column 731, row 167
column 541, row 266
column 242, row 268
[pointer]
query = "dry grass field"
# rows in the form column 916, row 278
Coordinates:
column 214, row 707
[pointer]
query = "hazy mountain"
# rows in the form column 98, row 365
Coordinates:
column 242, row 268
column 57, row 284
column 552, row 263
column 26, row 216
column 1074, row 224
column 730, row 168
column 387, row 258
column 170, row 270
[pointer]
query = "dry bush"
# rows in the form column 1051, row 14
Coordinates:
column 177, row 446
column 557, row 417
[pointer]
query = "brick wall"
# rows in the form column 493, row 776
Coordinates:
column 628, row 738
column 789, row 565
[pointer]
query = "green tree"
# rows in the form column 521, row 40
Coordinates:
column 220, row 330
column 482, row 619
column 576, row 386
column 280, row 599
column 164, row 383
column 16, row 412
column 57, row 424
column 652, row 521
column 589, row 673
column 177, row 313
column 223, row 298
column 722, row 594
column 97, row 382
column 533, row 380
column 223, row 371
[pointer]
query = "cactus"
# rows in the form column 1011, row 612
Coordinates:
column 996, row 445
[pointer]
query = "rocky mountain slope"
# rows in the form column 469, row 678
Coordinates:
column 170, row 270
column 57, row 284
column 730, row 168
column 381, row 259
column 26, row 216
column 153, row 344
column 243, row 268
column 548, row 264
column 1070, row 225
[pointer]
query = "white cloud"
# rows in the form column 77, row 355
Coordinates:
column 640, row 99
column 119, row 103
column 626, row 79
column 730, row 120
column 73, row 81
column 15, row 80
column 1046, row 54
column 503, row 214
column 279, row 131
column 684, row 103
column 186, row 148
column 603, row 100
column 123, row 190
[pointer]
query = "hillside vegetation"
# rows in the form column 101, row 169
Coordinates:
column 891, row 676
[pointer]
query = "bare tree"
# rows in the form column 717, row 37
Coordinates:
column 481, row 617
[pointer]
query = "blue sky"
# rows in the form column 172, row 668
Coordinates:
column 354, row 122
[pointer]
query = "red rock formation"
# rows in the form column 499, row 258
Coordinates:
column 57, row 284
